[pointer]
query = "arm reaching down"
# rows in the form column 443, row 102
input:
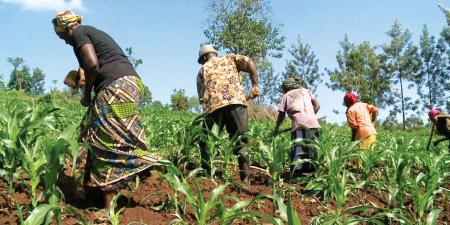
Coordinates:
column 246, row 64
column 90, row 66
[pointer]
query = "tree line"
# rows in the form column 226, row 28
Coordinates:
column 380, row 74
column 23, row 79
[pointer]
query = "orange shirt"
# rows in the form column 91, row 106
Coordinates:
column 359, row 118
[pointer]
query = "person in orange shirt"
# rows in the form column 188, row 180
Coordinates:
column 360, row 118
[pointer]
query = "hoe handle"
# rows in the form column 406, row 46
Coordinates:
column 431, row 136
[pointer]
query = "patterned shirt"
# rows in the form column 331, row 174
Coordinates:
column 359, row 118
column 298, row 105
column 219, row 83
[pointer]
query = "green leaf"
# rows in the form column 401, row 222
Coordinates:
column 292, row 215
column 39, row 214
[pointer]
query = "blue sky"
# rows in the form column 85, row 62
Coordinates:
column 166, row 34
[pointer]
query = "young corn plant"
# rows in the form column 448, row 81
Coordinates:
column 113, row 214
column 331, row 177
column 399, row 165
column 427, row 185
column 33, row 164
column 174, row 176
column 22, row 126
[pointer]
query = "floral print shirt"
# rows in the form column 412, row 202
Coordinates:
column 219, row 83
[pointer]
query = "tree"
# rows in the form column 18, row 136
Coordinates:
column 433, row 73
column 400, row 61
column 17, row 77
column 359, row 69
column 270, row 83
column 2, row 82
column 194, row 104
column 136, row 62
column 446, row 31
column 147, row 95
column 37, row 82
column 179, row 100
column 304, row 65
column 244, row 27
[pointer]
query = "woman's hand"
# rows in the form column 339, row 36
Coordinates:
column 85, row 100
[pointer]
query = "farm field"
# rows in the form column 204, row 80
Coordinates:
column 400, row 182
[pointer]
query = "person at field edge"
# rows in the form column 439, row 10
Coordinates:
column 442, row 123
column 222, row 94
column 360, row 118
column 301, row 106
column 117, row 147
column 75, row 80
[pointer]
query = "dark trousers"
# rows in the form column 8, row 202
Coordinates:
column 235, row 120
column 303, row 152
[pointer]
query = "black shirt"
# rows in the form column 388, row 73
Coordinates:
column 113, row 63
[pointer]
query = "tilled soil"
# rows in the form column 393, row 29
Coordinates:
column 153, row 191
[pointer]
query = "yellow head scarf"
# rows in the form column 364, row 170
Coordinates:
column 65, row 19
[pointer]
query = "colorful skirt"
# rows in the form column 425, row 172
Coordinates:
column 113, row 130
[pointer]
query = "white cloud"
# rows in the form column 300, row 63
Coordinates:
column 52, row 5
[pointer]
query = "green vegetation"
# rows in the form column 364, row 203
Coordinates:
column 39, row 136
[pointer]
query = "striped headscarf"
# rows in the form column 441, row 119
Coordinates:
column 65, row 19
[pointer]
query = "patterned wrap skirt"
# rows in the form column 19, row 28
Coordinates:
column 113, row 130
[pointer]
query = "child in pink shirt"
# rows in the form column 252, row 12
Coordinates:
column 301, row 106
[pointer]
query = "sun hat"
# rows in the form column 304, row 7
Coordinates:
column 205, row 49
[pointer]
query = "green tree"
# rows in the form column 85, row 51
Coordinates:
column 433, row 74
column 157, row 104
column 37, row 82
column 179, row 100
column 194, row 104
column 2, row 82
column 359, row 69
column 304, row 65
column 270, row 83
column 400, row 62
column 18, row 76
column 446, row 31
column 136, row 62
column 244, row 27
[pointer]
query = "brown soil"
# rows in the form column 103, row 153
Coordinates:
column 153, row 191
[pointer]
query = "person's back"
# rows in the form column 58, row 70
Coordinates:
column 443, row 126
column 223, row 84
column 359, row 118
column 298, row 105
column 113, row 63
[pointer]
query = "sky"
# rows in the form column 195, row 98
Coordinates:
column 166, row 35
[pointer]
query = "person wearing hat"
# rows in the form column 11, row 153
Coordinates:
column 301, row 106
column 113, row 131
column 441, row 121
column 222, row 94
column 360, row 118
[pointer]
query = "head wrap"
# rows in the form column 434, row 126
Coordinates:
column 350, row 98
column 433, row 112
column 66, row 19
column 291, row 83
